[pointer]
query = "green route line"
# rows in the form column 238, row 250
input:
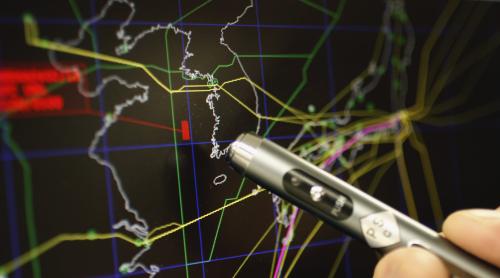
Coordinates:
column 29, row 211
column 224, row 66
column 109, row 66
column 78, row 16
column 285, row 56
column 179, row 187
column 222, row 216
column 93, row 68
column 308, row 63
column 318, row 7
column 169, row 72
column 309, row 58
column 19, row 155
column 192, row 11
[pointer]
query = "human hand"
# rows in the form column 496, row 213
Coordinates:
column 476, row 231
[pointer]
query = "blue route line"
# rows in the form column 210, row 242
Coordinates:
column 262, row 77
column 107, row 171
column 193, row 159
column 10, row 195
column 329, row 60
column 47, row 153
column 261, row 60
column 39, row 154
column 319, row 243
column 104, row 22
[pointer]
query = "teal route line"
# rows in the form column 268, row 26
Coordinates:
column 29, row 212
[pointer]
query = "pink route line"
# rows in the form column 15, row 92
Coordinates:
column 356, row 138
column 285, row 244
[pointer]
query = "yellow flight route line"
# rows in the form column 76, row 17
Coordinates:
column 329, row 153
column 375, row 57
column 276, row 246
column 366, row 122
column 53, row 242
column 306, row 242
column 159, row 228
column 32, row 38
column 277, row 100
column 430, row 181
column 405, row 121
column 371, row 190
column 369, row 166
column 372, row 165
column 298, row 114
column 259, row 116
column 294, row 228
column 329, row 115
column 152, row 240
column 403, row 171
column 387, row 158
column 63, row 48
column 346, row 90
column 375, row 164
column 452, row 60
column 402, row 115
column 418, row 108
column 368, row 155
column 294, row 111
column 372, row 154
column 261, row 239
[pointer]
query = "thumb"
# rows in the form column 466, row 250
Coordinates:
column 410, row 262
column 476, row 231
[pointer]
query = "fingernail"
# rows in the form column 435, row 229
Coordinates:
column 483, row 214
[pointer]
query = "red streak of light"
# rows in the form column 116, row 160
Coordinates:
column 83, row 112
column 41, row 75
column 34, row 90
column 185, row 130
column 49, row 103
column 8, row 90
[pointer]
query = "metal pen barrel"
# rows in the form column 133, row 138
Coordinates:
column 344, row 206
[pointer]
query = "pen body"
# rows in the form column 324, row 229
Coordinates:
column 344, row 206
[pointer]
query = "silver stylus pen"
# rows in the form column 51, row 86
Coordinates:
column 344, row 206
